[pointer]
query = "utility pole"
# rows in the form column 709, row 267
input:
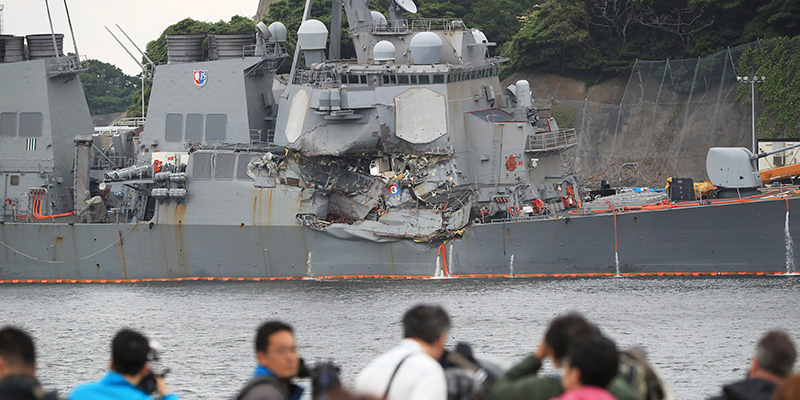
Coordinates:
column 752, row 81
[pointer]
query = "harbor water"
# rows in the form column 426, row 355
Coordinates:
column 699, row 332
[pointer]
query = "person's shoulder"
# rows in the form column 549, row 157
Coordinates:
column 263, row 391
column 102, row 390
column 84, row 391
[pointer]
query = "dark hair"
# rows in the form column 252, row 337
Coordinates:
column 564, row 330
column 16, row 347
column 266, row 330
column 597, row 359
column 425, row 322
column 776, row 353
column 129, row 351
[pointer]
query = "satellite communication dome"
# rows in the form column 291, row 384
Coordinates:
column 383, row 51
column 407, row 5
column 263, row 30
column 379, row 20
column 312, row 35
column 426, row 48
column 278, row 32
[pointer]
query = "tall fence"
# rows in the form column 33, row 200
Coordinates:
column 671, row 113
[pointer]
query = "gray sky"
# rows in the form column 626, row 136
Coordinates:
column 143, row 20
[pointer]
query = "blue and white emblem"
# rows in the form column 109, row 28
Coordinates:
column 394, row 189
column 200, row 77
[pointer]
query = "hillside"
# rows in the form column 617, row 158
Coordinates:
column 617, row 125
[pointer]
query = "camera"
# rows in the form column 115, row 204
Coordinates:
column 148, row 383
column 324, row 377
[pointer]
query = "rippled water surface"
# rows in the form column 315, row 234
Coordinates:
column 699, row 332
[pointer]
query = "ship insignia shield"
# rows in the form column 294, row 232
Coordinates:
column 200, row 77
column 394, row 190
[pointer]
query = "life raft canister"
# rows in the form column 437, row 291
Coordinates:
column 511, row 162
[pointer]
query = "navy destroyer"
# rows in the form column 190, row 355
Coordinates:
column 410, row 160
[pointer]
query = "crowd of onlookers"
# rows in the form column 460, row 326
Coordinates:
column 589, row 365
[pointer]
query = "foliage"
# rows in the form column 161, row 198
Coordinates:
column 778, row 60
column 157, row 49
column 107, row 89
column 135, row 108
column 564, row 116
column 578, row 38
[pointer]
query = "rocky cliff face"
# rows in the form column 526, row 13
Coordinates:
column 263, row 8
column 624, row 120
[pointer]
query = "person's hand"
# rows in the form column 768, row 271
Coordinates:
column 161, row 386
column 542, row 351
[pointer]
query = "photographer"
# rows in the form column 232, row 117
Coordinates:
column 18, row 367
column 129, row 372
column 278, row 363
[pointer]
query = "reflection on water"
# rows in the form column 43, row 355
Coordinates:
column 699, row 332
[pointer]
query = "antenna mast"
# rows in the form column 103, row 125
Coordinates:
column 144, row 69
column 72, row 32
column 52, row 32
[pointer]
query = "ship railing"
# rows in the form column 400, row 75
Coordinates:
column 64, row 65
column 131, row 122
column 550, row 141
column 307, row 77
column 105, row 162
column 261, row 136
column 266, row 50
column 421, row 24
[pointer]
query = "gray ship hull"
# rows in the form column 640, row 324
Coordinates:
column 747, row 238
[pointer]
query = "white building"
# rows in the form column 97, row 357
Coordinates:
column 779, row 159
column 1, row 19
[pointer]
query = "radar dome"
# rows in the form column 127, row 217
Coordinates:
column 312, row 35
column 278, row 32
column 383, row 51
column 379, row 20
column 426, row 48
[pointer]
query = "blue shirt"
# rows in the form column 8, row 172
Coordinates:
column 113, row 386
column 295, row 391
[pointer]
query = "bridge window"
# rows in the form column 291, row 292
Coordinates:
column 223, row 166
column 194, row 127
column 215, row 127
column 8, row 124
column 173, row 129
column 30, row 124
column 241, row 169
column 201, row 166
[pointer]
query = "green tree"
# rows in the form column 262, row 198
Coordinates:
column 107, row 88
column 778, row 60
column 554, row 37
column 134, row 110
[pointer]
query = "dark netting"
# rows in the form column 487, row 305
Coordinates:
column 671, row 113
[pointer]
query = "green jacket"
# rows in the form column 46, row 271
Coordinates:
column 521, row 382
